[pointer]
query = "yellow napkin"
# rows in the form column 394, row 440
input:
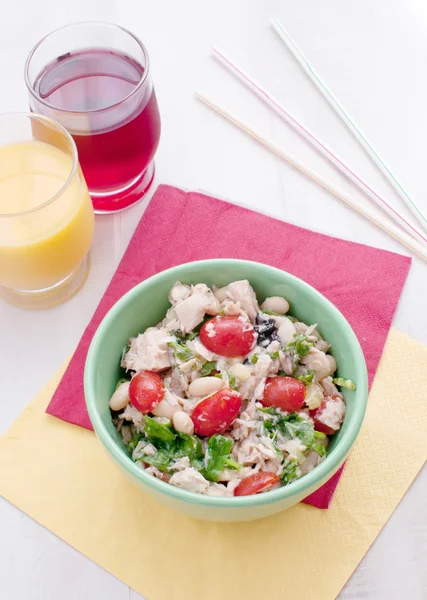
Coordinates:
column 58, row 474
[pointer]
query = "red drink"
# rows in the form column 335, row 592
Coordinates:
column 105, row 98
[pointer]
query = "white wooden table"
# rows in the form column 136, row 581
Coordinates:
column 374, row 56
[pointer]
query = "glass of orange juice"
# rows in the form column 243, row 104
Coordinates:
column 46, row 214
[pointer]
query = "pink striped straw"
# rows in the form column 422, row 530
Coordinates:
column 318, row 144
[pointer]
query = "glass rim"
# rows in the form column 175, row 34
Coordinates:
column 74, row 157
column 94, row 110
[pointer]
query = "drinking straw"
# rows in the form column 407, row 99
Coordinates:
column 346, row 118
column 385, row 225
column 285, row 114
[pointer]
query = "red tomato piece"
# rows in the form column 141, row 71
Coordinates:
column 257, row 483
column 228, row 336
column 146, row 391
column 336, row 413
column 285, row 393
column 216, row 413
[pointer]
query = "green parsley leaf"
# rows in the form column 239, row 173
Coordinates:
column 181, row 351
column 188, row 445
column 290, row 425
column 307, row 378
column 162, row 460
column 300, row 344
column 320, row 449
column 158, row 432
column 137, row 437
column 171, row 445
column 207, row 368
column 232, row 381
column 290, row 471
column 218, row 457
column 191, row 336
column 254, row 359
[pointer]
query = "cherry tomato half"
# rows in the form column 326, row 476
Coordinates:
column 227, row 336
column 216, row 413
column 285, row 393
column 146, row 391
column 257, row 483
column 336, row 408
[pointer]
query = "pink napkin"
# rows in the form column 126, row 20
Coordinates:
column 363, row 282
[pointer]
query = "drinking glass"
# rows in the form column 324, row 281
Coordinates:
column 46, row 215
column 94, row 78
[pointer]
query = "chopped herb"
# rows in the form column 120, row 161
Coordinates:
column 275, row 354
column 218, row 375
column 320, row 449
column 158, row 432
column 218, row 457
column 282, row 374
column 300, row 344
column 171, row 445
column 188, row 445
column 232, row 381
column 319, row 435
column 161, row 460
column 191, row 336
column 289, row 425
column 207, row 368
column 254, row 359
column 307, row 378
column 295, row 426
column 290, row 471
column 271, row 410
column 348, row 384
column 137, row 437
column 181, row 350
column 230, row 463
column 267, row 311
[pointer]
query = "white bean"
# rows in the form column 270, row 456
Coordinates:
column 221, row 294
column 204, row 386
column 332, row 364
column 241, row 372
column 183, row 423
column 120, row 399
column 318, row 362
column 167, row 407
column 276, row 304
column 286, row 330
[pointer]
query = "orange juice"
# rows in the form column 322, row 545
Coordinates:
column 46, row 216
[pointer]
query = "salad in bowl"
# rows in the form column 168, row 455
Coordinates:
column 227, row 396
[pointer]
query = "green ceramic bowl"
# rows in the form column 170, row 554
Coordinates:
column 146, row 304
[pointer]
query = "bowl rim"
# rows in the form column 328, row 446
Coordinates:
column 296, row 488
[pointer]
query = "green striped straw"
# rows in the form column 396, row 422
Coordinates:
column 339, row 109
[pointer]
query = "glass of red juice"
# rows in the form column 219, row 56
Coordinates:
column 94, row 79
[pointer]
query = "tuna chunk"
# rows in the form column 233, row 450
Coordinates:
column 241, row 291
column 148, row 351
column 191, row 480
column 179, row 292
column 191, row 310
